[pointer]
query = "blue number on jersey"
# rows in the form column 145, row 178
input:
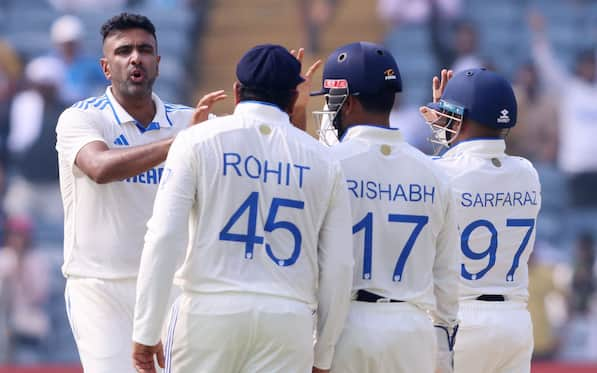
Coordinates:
column 491, row 250
column 250, row 238
column 366, row 224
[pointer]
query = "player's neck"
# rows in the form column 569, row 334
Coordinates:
column 142, row 109
column 380, row 120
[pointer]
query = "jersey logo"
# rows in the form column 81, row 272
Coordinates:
column 121, row 140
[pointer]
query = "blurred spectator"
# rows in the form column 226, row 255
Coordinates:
column 314, row 16
column 396, row 12
column 536, row 135
column 34, row 190
column 10, row 73
column 25, row 276
column 579, row 340
column 66, row 6
column 542, row 289
column 583, row 278
column 577, row 95
column 454, row 43
column 83, row 76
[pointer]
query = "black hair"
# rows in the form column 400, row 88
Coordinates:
column 380, row 103
column 127, row 21
column 282, row 99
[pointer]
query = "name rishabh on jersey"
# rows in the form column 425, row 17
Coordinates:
column 498, row 198
column 404, row 240
column 105, row 224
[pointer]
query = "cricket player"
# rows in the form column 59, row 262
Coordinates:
column 404, row 230
column 498, row 199
column 110, row 152
column 260, row 213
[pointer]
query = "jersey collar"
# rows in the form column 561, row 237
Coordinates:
column 262, row 111
column 371, row 133
column 121, row 116
column 487, row 147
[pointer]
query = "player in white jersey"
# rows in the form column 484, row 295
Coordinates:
column 110, row 150
column 498, row 199
column 267, row 216
column 404, row 230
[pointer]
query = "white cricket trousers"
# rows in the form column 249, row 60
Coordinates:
column 384, row 338
column 100, row 313
column 493, row 337
column 239, row 333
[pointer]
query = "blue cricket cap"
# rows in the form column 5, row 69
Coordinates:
column 269, row 67
column 363, row 68
column 480, row 95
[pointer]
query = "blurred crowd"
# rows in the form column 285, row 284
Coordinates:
column 34, row 90
column 556, row 130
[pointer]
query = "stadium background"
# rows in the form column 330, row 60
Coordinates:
column 200, row 42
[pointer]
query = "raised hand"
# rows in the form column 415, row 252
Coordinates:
column 205, row 104
column 299, row 117
column 439, row 84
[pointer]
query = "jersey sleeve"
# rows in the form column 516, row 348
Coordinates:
column 74, row 130
column 336, row 264
column 445, row 267
column 165, row 241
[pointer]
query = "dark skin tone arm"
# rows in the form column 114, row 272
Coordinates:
column 104, row 165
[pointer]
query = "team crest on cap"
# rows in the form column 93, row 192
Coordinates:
column 389, row 74
column 504, row 118
column 335, row 83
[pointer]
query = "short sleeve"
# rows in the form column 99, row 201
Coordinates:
column 75, row 129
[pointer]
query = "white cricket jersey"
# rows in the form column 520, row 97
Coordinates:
column 265, row 210
column 497, row 198
column 104, row 224
column 404, row 232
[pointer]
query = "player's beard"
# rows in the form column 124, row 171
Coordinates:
column 338, row 124
column 137, row 90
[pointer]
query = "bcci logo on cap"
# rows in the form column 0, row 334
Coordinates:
column 504, row 118
column 389, row 74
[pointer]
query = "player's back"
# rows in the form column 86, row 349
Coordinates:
column 498, row 198
column 399, row 204
column 264, row 188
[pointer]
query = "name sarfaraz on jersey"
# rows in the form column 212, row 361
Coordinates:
column 391, row 192
column 499, row 199
column 267, row 171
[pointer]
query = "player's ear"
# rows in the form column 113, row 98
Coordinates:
column 236, row 90
column 292, row 102
column 349, row 105
column 106, row 68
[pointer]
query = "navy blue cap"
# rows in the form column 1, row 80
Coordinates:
column 366, row 68
column 480, row 95
column 269, row 67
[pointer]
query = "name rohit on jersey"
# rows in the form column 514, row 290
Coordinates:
column 391, row 192
column 499, row 199
column 267, row 171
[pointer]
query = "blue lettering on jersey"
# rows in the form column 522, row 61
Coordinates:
column 499, row 199
column 151, row 176
column 266, row 171
column 391, row 192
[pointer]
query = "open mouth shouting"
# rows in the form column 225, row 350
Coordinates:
column 137, row 75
